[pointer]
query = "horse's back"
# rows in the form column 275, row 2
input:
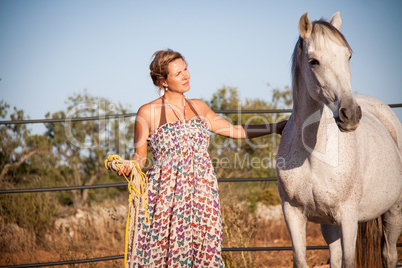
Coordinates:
column 381, row 111
column 380, row 137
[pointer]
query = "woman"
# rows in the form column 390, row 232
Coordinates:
column 185, row 226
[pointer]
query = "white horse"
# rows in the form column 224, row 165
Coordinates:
column 340, row 156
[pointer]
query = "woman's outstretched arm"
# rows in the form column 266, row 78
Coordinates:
column 221, row 126
column 254, row 131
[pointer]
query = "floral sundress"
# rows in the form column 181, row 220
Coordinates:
column 185, row 227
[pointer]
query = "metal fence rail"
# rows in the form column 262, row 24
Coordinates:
column 118, row 257
column 70, row 188
column 120, row 184
column 114, row 116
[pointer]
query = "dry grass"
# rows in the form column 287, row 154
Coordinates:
column 88, row 233
column 99, row 231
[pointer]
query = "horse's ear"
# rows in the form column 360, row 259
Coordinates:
column 305, row 26
column 336, row 20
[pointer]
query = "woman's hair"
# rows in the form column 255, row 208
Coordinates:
column 159, row 65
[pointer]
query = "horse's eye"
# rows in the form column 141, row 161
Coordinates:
column 314, row 62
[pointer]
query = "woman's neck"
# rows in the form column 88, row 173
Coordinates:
column 174, row 98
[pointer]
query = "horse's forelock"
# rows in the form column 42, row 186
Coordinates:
column 322, row 27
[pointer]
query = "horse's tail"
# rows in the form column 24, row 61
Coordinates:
column 368, row 244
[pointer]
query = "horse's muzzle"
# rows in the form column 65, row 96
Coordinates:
column 348, row 118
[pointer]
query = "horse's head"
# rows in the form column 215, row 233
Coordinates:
column 321, row 62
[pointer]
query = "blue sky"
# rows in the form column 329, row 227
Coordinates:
column 51, row 49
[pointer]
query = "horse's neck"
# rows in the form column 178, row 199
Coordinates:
column 306, row 111
column 310, row 117
column 315, row 129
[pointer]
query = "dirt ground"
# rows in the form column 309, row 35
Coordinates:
column 101, row 234
column 272, row 259
column 262, row 258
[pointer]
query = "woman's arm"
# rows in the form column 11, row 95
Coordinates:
column 141, row 133
column 223, row 127
column 254, row 131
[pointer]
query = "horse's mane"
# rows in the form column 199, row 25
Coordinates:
column 319, row 28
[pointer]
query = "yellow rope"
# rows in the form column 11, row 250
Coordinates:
column 143, row 191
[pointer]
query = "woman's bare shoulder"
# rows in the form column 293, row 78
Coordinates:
column 199, row 104
column 145, row 109
column 201, row 107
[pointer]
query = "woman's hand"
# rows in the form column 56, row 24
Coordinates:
column 126, row 170
column 254, row 131
column 280, row 126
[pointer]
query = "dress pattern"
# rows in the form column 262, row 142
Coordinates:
column 185, row 227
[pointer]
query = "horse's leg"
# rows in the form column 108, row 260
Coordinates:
column 348, row 227
column 296, row 223
column 392, row 227
column 333, row 238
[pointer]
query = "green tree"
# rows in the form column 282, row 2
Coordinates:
column 17, row 144
column 80, row 147
column 282, row 98
column 21, row 163
column 250, row 157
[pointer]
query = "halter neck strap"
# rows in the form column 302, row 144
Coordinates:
column 184, row 107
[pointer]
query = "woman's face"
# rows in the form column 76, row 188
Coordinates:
column 178, row 79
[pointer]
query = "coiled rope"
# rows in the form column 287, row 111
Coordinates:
column 138, row 195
